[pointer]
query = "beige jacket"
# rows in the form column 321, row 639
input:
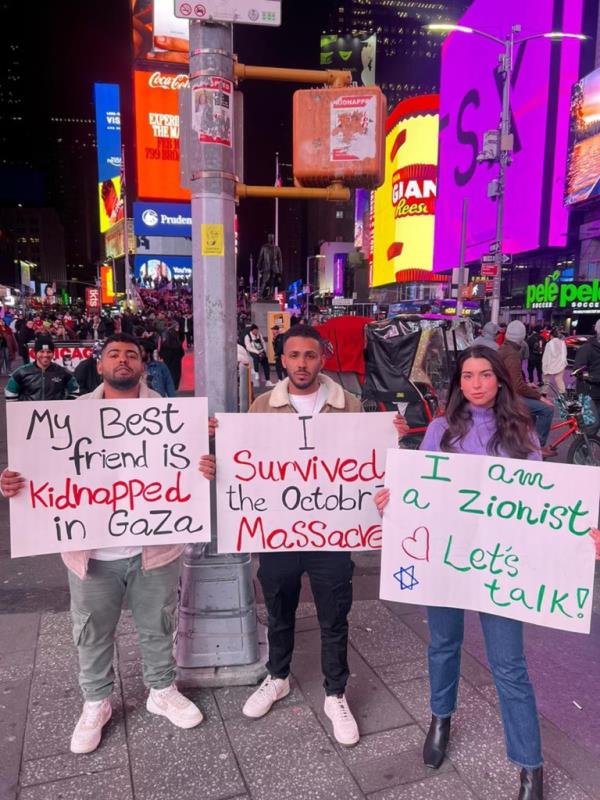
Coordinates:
column 153, row 556
column 277, row 401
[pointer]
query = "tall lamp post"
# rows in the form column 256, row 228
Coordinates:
column 308, row 292
column 498, row 145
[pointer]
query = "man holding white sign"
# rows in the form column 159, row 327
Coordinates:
column 484, row 418
column 101, row 578
column 306, row 392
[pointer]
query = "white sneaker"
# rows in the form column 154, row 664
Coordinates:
column 260, row 701
column 170, row 703
column 345, row 728
column 88, row 731
column 268, row 383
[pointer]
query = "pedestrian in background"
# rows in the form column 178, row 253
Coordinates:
column 554, row 362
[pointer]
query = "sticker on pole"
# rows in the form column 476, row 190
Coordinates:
column 248, row 12
column 353, row 128
column 213, row 240
column 212, row 104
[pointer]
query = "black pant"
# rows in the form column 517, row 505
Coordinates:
column 533, row 365
column 261, row 361
column 330, row 577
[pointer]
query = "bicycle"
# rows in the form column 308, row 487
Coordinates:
column 585, row 449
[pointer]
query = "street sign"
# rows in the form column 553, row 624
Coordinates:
column 496, row 258
column 249, row 12
column 489, row 270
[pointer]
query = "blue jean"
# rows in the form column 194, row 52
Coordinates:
column 504, row 647
column 542, row 415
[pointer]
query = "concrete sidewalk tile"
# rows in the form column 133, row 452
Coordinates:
column 57, row 625
column 53, row 715
column 405, row 671
column 13, row 721
column 381, row 745
column 16, row 666
column 111, row 754
column 128, row 648
column 562, row 751
column 438, row 787
column 287, row 756
column 381, row 773
column 559, row 786
column 365, row 587
column 381, row 637
column 414, row 696
column 373, row 706
column 403, row 609
column 168, row 762
column 230, row 700
column 18, row 632
column 114, row 784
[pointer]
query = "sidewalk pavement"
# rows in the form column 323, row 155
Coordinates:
column 290, row 754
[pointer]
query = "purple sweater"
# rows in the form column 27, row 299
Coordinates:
column 477, row 438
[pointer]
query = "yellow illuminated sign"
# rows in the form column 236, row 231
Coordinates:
column 404, row 206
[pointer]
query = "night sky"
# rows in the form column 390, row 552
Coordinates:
column 89, row 42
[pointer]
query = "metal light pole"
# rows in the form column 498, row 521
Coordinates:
column 504, row 150
column 217, row 640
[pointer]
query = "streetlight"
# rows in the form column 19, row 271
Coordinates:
column 499, row 145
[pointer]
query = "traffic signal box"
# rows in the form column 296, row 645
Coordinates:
column 339, row 135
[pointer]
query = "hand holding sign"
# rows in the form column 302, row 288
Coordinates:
column 11, row 483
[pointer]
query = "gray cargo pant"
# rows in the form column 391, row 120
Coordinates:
column 96, row 603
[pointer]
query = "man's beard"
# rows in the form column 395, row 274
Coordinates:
column 124, row 383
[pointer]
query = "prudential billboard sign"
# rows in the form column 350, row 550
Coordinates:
column 162, row 219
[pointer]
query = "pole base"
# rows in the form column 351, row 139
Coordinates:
column 218, row 677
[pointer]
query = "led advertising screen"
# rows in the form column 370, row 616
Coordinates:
column 583, row 175
column 354, row 53
column 108, row 138
column 158, row 35
column 162, row 219
column 404, row 207
column 544, row 72
column 157, row 134
column 157, row 272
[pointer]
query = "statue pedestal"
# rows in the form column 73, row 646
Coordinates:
column 260, row 314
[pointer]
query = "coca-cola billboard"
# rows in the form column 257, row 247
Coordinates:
column 157, row 134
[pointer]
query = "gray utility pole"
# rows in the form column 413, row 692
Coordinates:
column 498, row 187
column 217, row 619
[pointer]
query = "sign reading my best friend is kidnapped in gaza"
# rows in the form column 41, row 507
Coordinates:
column 503, row 536
column 289, row 483
column 103, row 473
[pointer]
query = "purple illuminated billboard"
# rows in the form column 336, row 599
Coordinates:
column 544, row 72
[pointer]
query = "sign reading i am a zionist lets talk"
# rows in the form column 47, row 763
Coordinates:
column 102, row 473
column 288, row 483
column 499, row 535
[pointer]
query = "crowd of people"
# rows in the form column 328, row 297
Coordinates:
column 484, row 415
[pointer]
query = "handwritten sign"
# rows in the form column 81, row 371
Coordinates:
column 104, row 473
column 289, row 483
column 503, row 536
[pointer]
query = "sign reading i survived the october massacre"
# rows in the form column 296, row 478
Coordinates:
column 288, row 483
column 102, row 473
column 503, row 536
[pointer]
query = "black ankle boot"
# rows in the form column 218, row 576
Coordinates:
column 532, row 784
column 434, row 749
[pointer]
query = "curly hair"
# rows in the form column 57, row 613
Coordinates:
column 514, row 425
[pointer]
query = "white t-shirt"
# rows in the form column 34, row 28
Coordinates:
column 309, row 404
column 115, row 553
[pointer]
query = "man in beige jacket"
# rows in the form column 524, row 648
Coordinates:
column 99, row 581
column 306, row 391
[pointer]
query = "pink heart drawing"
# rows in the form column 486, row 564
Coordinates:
column 417, row 545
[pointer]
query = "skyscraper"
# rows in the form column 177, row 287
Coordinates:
column 408, row 56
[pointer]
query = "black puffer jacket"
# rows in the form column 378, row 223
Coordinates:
column 588, row 357
column 32, row 383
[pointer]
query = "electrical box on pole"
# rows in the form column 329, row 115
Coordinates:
column 339, row 135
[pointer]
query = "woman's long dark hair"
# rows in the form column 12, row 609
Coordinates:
column 514, row 426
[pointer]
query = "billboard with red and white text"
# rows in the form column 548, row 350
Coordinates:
column 156, row 97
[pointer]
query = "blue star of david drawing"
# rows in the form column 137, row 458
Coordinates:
column 406, row 578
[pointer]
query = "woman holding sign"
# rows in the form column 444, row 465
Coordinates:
column 484, row 417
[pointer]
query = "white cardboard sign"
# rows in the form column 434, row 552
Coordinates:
column 288, row 483
column 499, row 535
column 104, row 473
